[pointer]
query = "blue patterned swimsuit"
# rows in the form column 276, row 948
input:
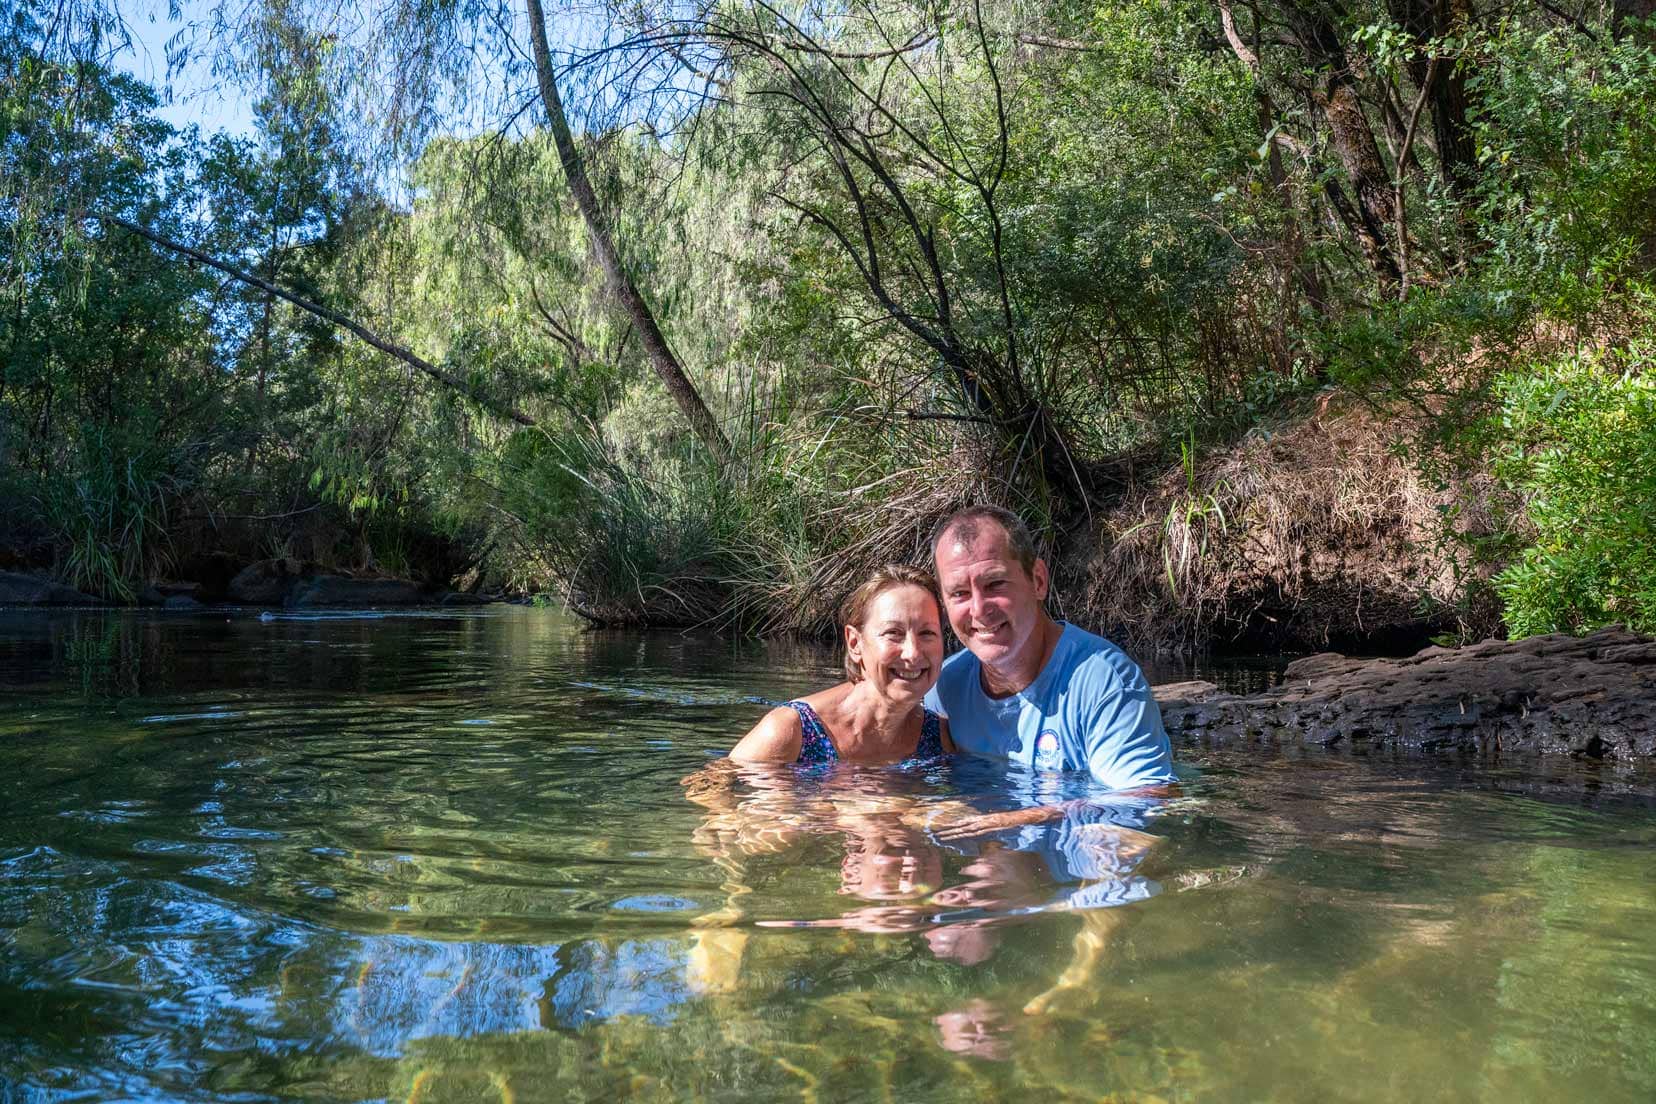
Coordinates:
column 816, row 747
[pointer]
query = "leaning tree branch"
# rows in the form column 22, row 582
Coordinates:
column 1400, row 178
column 618, row 280
column 448, row 379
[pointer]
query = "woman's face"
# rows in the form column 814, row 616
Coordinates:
column 899, row 645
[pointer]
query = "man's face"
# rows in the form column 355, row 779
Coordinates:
column 993, row 604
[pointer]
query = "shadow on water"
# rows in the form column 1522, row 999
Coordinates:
column 448, row 856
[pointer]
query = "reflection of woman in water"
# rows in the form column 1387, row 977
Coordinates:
column 893, row 632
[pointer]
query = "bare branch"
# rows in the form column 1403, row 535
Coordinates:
column 1398, row 181
column 487, row 402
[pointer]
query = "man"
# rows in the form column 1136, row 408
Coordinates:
column 1055, row 698
column 1027, row 688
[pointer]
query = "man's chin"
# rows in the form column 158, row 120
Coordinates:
column 991, row 648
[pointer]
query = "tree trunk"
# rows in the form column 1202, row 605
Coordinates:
column 1304, row 276
column 1427, row 20
column 1335, row 94
column 662, row 358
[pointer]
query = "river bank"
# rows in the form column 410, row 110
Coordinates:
column 1590, row 697
column 271, row 584
column 1312, row 531
column 1309, row 533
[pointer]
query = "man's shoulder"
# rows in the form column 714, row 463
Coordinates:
column 1088, row 657
column 957, row 669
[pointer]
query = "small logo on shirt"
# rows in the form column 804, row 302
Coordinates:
column 1047, row 753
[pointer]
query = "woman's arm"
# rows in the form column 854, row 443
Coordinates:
column 943, row 733
column 775, row 739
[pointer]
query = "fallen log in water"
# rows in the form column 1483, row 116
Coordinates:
column 1589, row 696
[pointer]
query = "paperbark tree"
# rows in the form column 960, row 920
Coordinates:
column 616, row 277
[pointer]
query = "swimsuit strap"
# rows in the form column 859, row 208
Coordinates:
column 816, row 747
column 814, row 744
column 931, row 736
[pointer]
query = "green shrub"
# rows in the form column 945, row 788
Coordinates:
column 1580, row 448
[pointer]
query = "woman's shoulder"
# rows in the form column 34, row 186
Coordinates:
column 827, row 701
column 775, row 739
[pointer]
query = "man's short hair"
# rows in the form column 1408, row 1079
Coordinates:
column 966, row 524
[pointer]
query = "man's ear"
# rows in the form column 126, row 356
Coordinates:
column 1043, row 580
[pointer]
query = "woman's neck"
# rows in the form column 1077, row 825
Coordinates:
column 871, row 720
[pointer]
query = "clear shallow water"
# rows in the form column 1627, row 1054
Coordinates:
column 448, row 857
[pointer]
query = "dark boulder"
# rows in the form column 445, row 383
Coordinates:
column 211, row 573
column 289, row 584
column 161, row 594
column 1592, row 696
column 17, row 589
column 341, row 592
column 266, row 583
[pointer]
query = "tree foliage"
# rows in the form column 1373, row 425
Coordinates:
column 900, row 254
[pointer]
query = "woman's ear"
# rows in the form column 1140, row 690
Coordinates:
column 853, row 644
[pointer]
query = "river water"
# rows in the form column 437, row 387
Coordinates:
column 448, row 856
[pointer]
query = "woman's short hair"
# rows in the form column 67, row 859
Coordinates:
column 855, row 610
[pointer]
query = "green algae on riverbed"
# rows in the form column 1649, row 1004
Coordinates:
column 446, row 857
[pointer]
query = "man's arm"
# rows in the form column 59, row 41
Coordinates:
column 984, row 823
column 1126, row 745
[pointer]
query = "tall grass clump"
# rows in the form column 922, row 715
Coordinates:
column 108, row 513
column 772, row 545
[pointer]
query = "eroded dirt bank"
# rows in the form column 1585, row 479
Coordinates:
column 1317, row 533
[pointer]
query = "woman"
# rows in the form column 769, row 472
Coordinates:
column 893, row 650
